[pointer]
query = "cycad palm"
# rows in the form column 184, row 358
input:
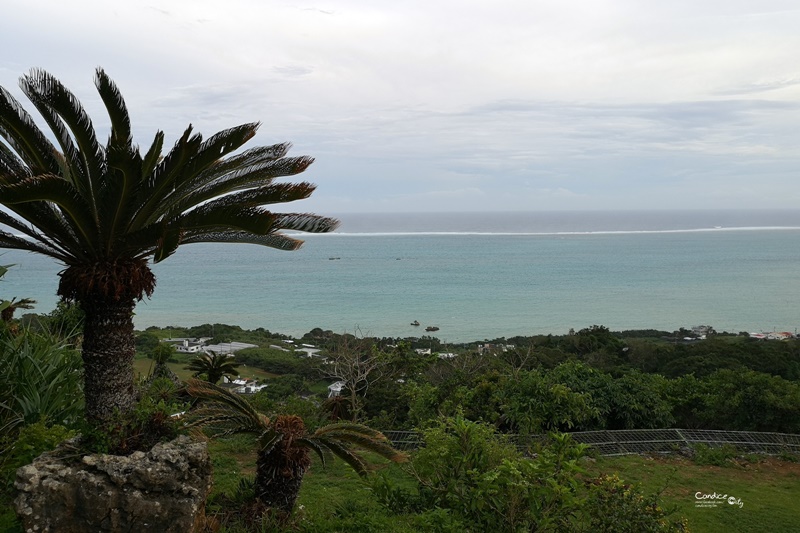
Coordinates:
column 214, row 366
column 7, row 314
column 284, row 445
column 104, row 210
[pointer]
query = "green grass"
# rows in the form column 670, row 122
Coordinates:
column 769, row 490
column 336, row 499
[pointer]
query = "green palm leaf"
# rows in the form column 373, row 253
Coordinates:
column 105, row 211
column 25, row 138
column 355, row 461
column 67, row 118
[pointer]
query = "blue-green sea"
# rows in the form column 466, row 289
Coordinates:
column 481, row 275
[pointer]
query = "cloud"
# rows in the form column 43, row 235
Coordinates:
column 412, row 105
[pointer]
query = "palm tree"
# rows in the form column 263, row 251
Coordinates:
column 284, row 444
column 7, row 313
column 214, row 366
column 104, row 210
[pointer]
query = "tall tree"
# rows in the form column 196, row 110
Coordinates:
column 357, row 362
column 105, row 210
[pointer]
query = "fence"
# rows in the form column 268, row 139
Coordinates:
column 636, row 441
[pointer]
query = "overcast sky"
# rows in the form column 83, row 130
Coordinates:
column 456, row 105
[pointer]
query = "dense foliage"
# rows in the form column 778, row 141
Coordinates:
column 474, row 407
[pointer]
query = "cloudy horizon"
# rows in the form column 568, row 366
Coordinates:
column 456, row 106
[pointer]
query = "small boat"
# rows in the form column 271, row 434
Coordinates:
column 432, row 328
column 415, row 323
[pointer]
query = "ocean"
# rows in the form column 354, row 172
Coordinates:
column 480, row 276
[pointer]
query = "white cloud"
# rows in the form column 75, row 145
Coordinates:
column 478, row 105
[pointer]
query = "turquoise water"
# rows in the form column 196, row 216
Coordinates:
column 523, row 276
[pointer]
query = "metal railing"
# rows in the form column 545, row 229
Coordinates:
column 638, row 441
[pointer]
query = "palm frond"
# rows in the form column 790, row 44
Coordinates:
column 214, row 183
column 268, row 440
column 352, row 427
column 268, row 194
column 247, row 158
column 116, row 108
column 224, row 403
column 67, row 118
column 235, row 217
column 49, row 228
column 117, row 192
column 153, row 155
column 160, row 183
column 344, row 453
column 384, row 449
column 216, row 147
column 223, row 235
column 124, row 163
column 307, row 223
column 318, row 447
column 11, row 166
column 220, row 423
column 25, row 138
column 52, row 189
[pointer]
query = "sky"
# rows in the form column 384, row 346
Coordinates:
column 508, row 105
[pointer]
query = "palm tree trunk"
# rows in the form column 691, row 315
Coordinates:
column 277, row 483
column 108, row 352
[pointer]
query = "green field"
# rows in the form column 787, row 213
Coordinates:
column 769, row 490
column 335, row 499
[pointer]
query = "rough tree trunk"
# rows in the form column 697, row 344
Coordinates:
column 277, row 484
column 108, row 352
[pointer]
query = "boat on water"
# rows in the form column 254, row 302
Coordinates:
column 432, row 328
column 415, row 323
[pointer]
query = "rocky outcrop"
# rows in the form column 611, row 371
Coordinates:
column 163, row 490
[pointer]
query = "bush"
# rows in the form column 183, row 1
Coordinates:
column 535, row 404
column 478, row 475
column 151, row 422
column 32, row 441
column 614, row 507
column 714, row 455
column 475, row 480
column 41, row 379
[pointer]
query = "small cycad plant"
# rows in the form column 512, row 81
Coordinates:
column 284, row 444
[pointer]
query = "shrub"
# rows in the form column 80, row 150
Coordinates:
column 478, row 475
column 714, row 455
column 614, row 507
column 41, row 379
column 150, row 422
column 32, row 441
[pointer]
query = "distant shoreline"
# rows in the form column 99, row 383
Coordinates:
column 683, row 333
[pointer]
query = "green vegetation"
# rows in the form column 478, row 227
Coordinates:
column 334, row 499
column 104, row 210
column 213, row 367
column 767, row 487
column 473, row 410
column 283, row 444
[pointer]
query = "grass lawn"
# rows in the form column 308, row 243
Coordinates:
column 768, row 489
